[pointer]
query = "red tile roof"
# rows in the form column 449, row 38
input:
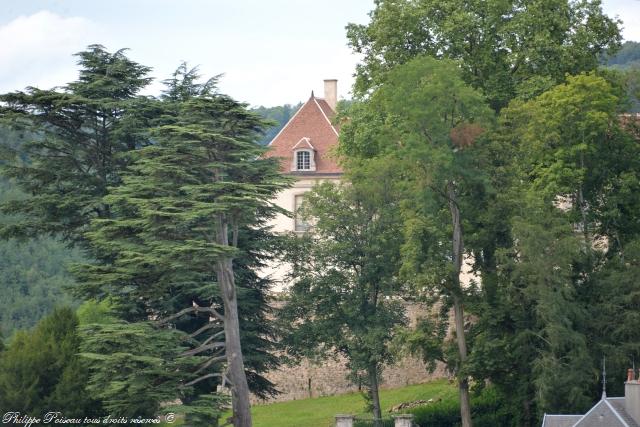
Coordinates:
column 312, row 121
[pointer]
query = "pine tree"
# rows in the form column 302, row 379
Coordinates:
column 78, row 135
column 184, row 208
column 82, row 137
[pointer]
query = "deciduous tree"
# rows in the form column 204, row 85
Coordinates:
column 344, row 294
column 506, row 47
column 425, row 119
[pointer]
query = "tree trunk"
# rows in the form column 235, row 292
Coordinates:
column 233, row 348
column 582, row 204
column 526, row 413
column 375, row 395
column 458, row 310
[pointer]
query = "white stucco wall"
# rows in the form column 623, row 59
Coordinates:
column 286, row 224
column 286, row 200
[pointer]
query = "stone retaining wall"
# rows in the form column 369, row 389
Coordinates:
column 328, row 377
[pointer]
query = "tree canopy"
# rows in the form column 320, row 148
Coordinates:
column 506, row 48
column 174, row 232
column 77, row 135
column 425, row 120
column 344, row 283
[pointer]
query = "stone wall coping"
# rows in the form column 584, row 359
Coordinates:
column 344, row 416
column 404, row 416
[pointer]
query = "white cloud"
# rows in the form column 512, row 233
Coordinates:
column 629, row 12
column 36, row 50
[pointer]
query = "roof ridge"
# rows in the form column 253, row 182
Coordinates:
column 615, row 412
column 563, row 415
column 325, row 116
column 603, row 400
column 305, row 139
column 289, row 122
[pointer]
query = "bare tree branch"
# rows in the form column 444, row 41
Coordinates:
column 209, row 325
column 212, row 337
column 210, row 362
column 202, row 348
column 194, row 309
column 202, row 378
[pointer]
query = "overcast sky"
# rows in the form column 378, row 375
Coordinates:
column 270, row 51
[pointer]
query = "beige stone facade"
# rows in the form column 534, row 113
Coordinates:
column 310, row 130
column 329, row 377
column 304, row 147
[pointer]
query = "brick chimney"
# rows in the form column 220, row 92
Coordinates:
column 632, row 396
column 331, row 92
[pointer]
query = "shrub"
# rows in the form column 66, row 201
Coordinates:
column 487, row 409
column 40, row 370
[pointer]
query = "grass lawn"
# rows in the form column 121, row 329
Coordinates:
column 320, row 412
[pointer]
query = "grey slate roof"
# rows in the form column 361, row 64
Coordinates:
column 618, row 405
column 608, row 412
column 560, row 420
column 601, row 415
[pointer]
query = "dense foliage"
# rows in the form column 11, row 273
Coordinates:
column 506, row 48
column 424, row 120
column 482, row 134
column 488, row 411
column 34, row 281
column 173, row 235
column 32, row 271
column 76, row 138
column 545, row 196
column 41, row 371
column 83, row 139
column 344, row 277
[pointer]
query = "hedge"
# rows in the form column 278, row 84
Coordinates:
column 487, row 410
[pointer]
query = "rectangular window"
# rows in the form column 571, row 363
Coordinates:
column 303, row 160
column 301, row 224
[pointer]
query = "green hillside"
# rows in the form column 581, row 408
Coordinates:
column 32, row 272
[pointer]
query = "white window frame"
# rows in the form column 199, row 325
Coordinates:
column 312, row 162
column 299, row 224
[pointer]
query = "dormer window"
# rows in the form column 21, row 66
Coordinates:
column 303, row 158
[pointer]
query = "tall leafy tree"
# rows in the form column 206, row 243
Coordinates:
column 186, row 206
column 506, row 47
column 568, row 179
column 529, row 339
column 585, row 156
column 344, row 275
column 425, row 119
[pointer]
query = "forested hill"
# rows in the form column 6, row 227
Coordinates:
column 32, row 272
column 628, row 56
column 280, row 115
column 627, row 62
